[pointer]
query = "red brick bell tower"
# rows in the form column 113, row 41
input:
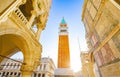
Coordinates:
column 63, row 69
column 63, row 46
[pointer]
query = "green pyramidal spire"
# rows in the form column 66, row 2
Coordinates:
column 63, row 21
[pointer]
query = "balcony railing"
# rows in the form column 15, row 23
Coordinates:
column 116, row 3
column 16, row 15
column 20, row 16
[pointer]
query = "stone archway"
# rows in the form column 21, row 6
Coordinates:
column 13, row 40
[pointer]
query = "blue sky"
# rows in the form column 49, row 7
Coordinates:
column 71, row 11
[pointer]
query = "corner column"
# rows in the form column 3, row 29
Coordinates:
column 29, row 24
column 27, row 70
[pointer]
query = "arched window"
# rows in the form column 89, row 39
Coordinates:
column 11, row 73
column 7, row 73
column 39, row 75
column 15, row 73
column 34, row 74
column 3, row 73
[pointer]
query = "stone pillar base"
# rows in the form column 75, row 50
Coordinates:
column 64, row 72
column 26, row 74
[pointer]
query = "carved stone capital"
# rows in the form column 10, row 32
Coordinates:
column 33, row 12
column 40, row 26
column 23, row 1
column 28, row 68
column 36, row 63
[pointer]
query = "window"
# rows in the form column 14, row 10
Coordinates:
column 14, row 65
column 40, row 66
column 43, row 75
column 7, row 73
column 7, row 65
column 34, row 74
column 15, row 73
column 11, row 73
column 18, row 65
column 3, row 73
column 62, row 30
column 11, row 64
column 39, row 75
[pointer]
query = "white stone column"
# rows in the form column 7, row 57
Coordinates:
column 47, row 67
column 33, row 75
column 41, row 75
column 5, row 74
column 42, row 66
column 29, row 24
column 45, row 74
column 36, row 74
column 5, row 66
column 11, row 66
column 38, row 33
column 27, row 70
column 1, row 74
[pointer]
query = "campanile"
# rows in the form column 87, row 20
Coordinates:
column 63, row 46
column 63, row 69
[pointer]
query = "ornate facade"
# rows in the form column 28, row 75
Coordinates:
column 21, row 23
column 11, row 68
column 102, row 23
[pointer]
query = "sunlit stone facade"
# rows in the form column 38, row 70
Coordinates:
column 10, row 68
column 102, row 24
column 87, row 66
column 21, row 24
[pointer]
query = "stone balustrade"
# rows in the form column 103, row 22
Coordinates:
column 20, row 15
